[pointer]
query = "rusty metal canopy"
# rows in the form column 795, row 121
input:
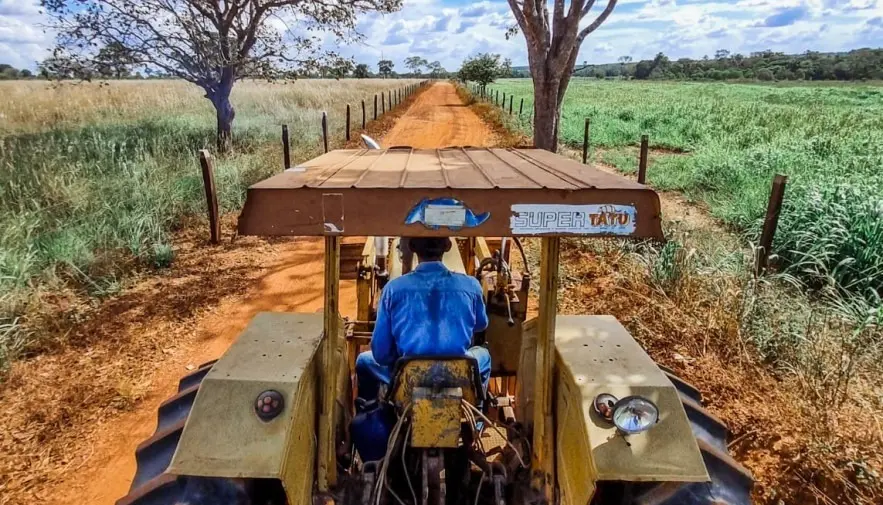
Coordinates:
column 453, row 191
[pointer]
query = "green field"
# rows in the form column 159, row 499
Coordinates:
column 95, row 176
column 722, row 143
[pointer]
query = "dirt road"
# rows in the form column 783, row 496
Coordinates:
column 438, row 118
column 135, row 347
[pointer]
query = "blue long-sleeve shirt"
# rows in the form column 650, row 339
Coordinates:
column 428, row 312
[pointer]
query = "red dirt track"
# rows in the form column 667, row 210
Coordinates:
column 438, row 118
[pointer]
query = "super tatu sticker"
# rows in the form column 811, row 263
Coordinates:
column 540, row 219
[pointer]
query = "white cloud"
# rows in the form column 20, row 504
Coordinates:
column 451, row 30
column 22, row 40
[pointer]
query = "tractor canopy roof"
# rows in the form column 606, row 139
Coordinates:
column 449, row 192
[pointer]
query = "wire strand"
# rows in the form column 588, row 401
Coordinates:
column 494, row 426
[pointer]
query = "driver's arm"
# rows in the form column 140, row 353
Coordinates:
column 383, row 344
column 479, row 308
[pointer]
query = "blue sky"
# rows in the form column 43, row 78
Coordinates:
column 449, row 30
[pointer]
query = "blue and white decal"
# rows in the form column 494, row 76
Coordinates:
column 540, row 219
column 445, row 212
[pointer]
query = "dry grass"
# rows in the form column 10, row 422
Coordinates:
column 33, row 106
column 95, row 175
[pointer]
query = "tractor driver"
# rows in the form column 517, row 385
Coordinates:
column 428, row 312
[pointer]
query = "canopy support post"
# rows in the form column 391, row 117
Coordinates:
column 543, row 457
column 327, row 445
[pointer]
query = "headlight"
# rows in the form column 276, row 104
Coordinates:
column 635, row 414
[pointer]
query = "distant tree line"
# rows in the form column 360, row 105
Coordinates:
column 857, row 65
column 8, row 72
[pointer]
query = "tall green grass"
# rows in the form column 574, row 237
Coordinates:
column 722, row 143
column 94, row 177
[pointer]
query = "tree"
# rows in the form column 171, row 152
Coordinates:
column 436, row 69
column 8, row 72
column 483, row 68
column 340, row 70
column 210, row 43
column 113, row 61
column 553, row 44
column 623, row 61
column 415, row 63
column 361, row 71
column 384, row 68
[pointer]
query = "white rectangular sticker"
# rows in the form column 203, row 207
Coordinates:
column 540, row 219
column 445, row 215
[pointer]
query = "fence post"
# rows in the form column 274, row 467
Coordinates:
column 211, row 195
column 382, row 103
column 511, row 99
column 347, row 122
column 503, row 103
column 389, row 99
column 363, row 114
column 375, row 106
column 325, row 130
column 497, row 97
column 642, row 162
column 586, row 141
column 286, row 152
column 521, row 107
column 770, row 222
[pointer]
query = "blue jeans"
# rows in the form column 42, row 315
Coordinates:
column 372, row 374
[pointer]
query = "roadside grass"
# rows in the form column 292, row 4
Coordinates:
column 827, row 140
column 95, row 176
column 794, row 375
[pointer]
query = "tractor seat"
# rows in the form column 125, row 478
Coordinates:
column 436, row 373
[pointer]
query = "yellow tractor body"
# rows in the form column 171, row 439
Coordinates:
column 277, row 405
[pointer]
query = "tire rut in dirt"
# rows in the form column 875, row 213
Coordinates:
column 731, row 483
column 151, row 485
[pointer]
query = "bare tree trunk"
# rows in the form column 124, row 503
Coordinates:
column 225, row 114
column 547, row 114
column 220, row 97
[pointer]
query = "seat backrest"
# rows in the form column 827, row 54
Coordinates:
column 436, row 372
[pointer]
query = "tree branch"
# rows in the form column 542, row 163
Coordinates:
column 597, row 22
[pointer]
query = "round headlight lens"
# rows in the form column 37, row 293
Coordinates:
column 635, row 414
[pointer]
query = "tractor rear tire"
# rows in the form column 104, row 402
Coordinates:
column 731, row 483
column 151, row 485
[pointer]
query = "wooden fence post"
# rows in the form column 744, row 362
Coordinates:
column 211, row 195
column 363, row 114
column 521, row 107
column 375, row 106
column 586, row 141
column 382, row 103
column 286, row 150
column 497, row 98
column 325, row 130
column 642, row 162
column 770, row 222
column 389, row 99
column 511, row 99
column 503, row 105
column 347, row 122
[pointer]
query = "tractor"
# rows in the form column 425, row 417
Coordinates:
column 576, row 412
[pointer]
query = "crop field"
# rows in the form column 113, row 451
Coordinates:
column 95, row 175
column 722, row 143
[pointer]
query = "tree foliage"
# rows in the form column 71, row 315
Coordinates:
column 211, row 43
column 415, row 64
column 860, row 64
column 361, row 71
column 384, row 68
column 484, row 68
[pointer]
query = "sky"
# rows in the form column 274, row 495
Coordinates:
column 450, row 30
